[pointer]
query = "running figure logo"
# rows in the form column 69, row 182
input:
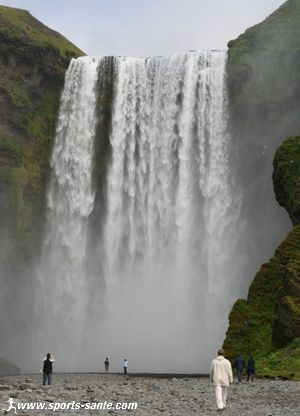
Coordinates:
column 11, row 406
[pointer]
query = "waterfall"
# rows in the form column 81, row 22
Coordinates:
column 171, row 210
column 169, row 219
column 69, row 204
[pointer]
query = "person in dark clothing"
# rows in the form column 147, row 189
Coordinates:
column 125, row 365
column 240, row 365
column 106, row 364
column 251, row 368
column 47, row 369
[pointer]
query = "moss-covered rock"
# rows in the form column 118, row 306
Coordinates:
column 254, row 323
column 283, row 363
column 286, row 177
column 286, row 180
column 33, row 60
column 267, row 324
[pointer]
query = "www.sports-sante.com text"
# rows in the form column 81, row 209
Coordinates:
column 58, row 406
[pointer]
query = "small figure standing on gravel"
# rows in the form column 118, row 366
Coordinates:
column 47, row 369
column 240, row 364
column 106, row 365
column 221, row 376
column 251, row 368
column 125, row 365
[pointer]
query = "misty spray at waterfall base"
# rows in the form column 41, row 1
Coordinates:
column 142, row 256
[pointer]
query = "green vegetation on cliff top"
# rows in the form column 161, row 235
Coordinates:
column 19, row 24
column 281, row 25
column 261, row 60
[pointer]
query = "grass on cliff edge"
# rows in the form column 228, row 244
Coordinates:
column 19, row 23
column 283, row 363
column 279, row 30
column 263, row 61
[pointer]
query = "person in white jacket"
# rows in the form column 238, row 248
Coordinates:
column 125, row 365
column 221, row 376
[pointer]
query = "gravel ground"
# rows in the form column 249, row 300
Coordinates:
column 154, row 396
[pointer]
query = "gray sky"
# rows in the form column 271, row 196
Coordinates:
column 146, row 28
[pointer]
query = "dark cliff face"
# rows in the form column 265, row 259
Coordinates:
column 264, row 99
column 264, row 87
column 33, row 60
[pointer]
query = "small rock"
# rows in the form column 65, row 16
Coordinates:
column 4, row 387
column 24, row 386
column 49, row 399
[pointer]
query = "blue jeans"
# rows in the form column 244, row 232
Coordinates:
column 46, row 378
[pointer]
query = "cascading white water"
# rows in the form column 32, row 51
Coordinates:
column 166, row 247
column 70, row 202
column 170, row 226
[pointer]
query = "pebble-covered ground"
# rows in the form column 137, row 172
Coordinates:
column 154, row 396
